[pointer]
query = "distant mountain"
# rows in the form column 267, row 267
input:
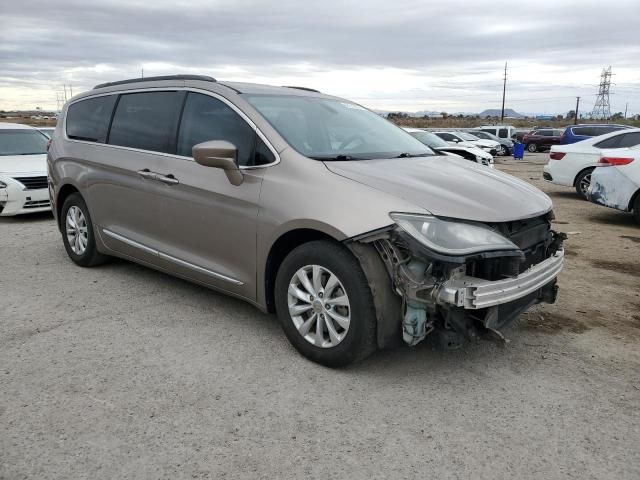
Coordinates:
column 496, row 112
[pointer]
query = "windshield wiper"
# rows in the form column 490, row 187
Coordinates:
column 339, row 158
column 409, row 155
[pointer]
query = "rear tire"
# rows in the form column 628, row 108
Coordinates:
column 77, row 232
column 532, row 147
column 329, row 288
column 582, row 183
column 636, row 208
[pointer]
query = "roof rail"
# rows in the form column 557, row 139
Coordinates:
column 203, row 78
column 306, row 89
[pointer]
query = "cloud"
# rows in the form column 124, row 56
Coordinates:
column 401, row 54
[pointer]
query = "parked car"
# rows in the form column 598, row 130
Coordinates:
column 519, row 134
column 23, row 170
column 48, row 131
column 305, row 204
column 542, row 139
column 577, row 133
column 506, row 144
column 500, row 131
column 437, row 144
column 615, row 182
column 571, row 165
column 468, row 140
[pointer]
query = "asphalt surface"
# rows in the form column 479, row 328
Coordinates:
column 121, row 372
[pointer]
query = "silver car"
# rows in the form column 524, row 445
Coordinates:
column 302, row 204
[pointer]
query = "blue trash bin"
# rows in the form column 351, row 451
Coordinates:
column 518, row 151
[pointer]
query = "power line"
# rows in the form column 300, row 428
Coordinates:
column 504, row 91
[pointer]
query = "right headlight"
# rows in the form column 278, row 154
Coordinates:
column 451, row 237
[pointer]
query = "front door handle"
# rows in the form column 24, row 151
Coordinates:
column 167, row 179
column 147, row 174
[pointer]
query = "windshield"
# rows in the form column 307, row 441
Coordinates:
column 467, row 136
column 22, row 142
column 430, row 139
column 328, row 129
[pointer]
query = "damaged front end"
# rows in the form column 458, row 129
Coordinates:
column 460, row 280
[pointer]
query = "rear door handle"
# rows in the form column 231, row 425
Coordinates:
column 147, row 174
column 167, row 179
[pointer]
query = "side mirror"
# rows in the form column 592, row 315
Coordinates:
column 219, row 154
column 456, row 140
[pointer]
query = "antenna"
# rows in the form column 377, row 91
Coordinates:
column 602, row 107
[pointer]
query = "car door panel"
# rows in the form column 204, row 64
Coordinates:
column 209, row 226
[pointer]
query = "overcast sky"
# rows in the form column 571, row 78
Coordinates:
column 391, row 55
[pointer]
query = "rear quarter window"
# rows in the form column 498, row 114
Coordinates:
column 89, row 119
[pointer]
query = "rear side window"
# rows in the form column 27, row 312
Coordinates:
column 89, row 119
column 609, row 142
column 206, row 118
column 503, row 133
column 147, row 121
column 582, row 131
column 629, row 140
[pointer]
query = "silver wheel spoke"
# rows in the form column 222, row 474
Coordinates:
column 304, row 279
column 341, row 301
column 342, row 321
column 331, row 284
column 299, row 309
column 299, row 294
column 333, row 335
column 316, row 276
column 319, row 331
column 306, row 326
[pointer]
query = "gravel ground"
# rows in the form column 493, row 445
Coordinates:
column 123, row 372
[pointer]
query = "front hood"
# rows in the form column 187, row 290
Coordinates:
column 456, row 188
column 487, row 143
column 21, row 164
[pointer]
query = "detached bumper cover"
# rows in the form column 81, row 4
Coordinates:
column 475, row 293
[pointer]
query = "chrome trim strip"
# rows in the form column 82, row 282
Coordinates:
column 474, row 293
column 130, row 242
column 170, row 258
column 199, row 269
column 176, row 88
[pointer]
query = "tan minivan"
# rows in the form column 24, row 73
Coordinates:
column 353, row 231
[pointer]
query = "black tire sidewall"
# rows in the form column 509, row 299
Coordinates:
column 360, row 339
column 89, row 257
column 532, row 147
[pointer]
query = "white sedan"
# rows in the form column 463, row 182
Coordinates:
column 23, row 170
column 571, row 165
column 618, row 185
column 467, row 140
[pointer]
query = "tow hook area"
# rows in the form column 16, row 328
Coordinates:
column 414, row 323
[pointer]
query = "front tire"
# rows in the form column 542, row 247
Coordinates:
column 532, row 147
column 324, row 304
column 502, row 151
column 636, row 208
column 78, row 234
column 583, row 181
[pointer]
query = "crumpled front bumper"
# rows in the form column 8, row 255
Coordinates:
column 475, row 293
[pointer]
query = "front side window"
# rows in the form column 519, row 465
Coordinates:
column 206, row 118
column 446, row 136
column 468, row 137
column 331, row 129
column 22, row 142
column 430, row 139
column 89, row 119
column 147, row 121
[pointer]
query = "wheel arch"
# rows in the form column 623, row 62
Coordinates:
column 575, row 178
column 63, row 193
column 632, row 202
column 284, row 244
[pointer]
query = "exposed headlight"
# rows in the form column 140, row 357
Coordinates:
column 449, row 237
column 2, row 184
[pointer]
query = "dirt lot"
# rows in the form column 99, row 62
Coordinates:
column 123, row 372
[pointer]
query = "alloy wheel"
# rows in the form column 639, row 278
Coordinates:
column 319, row 306
column 585, row 183
column 77, row 232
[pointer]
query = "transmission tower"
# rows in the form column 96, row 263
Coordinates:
column 602, row 109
